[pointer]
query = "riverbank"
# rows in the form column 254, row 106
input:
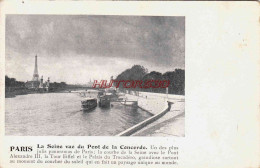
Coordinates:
column 170, row 124
column 154, row 102
column 13, row 93
column 24, row 91
column 168, row 115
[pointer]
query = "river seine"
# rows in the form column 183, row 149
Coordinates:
column 59, row 114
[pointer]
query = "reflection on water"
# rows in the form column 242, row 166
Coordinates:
column 60, row 114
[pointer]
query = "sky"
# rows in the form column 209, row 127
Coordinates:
column 77, row 48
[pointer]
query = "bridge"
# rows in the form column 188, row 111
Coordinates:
column 123, row 101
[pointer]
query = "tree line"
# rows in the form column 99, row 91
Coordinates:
column 13, row 83
column 138, row 72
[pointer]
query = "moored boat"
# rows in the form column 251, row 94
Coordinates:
column 104, row 101
column 129, row 103
column 88, row 104
column 121, row 98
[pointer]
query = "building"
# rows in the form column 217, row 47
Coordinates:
column 35, row 83
column 89, row 84
column 44, row 86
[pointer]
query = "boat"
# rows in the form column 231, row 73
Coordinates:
column 121, row 98
column 129, row 103
column 104, row 101
column 101, row 93
column 88, row 104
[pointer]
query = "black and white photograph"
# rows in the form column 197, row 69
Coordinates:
column 94, row 75
column 129, row 84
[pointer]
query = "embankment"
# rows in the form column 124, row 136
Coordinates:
column 156, row 103
column 146, row 122
column 24, row 91
column 13, row 93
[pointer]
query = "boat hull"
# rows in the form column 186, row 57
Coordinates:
column 87, row 108
column 89, row 104
column 128, row 103
column 104, row 101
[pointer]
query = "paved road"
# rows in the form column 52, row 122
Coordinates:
column 171, row 124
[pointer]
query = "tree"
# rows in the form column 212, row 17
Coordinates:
column 63, row 84
column 177, row 81
column 137, row 72
column 11, row 82
column 153, row 76
column 7, row 81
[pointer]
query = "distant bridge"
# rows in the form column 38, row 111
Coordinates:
column 123, row 101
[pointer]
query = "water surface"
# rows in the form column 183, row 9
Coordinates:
column 59, row 114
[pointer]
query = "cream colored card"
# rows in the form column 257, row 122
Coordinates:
column 215, row 43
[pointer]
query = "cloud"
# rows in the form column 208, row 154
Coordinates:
column 152, row 40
